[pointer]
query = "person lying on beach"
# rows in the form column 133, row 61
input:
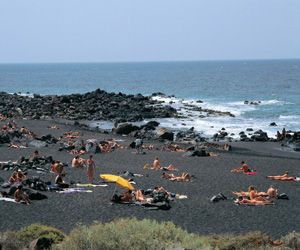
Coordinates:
column 11, row 145
column 27, row 132
column 53, row 127
column 171, row 167
column 243, row 169
column 78, row 162
column 126, row 196
column 77, row 151
column 140, row 196
column 173, row 148
column 272, row 192
column 284, row 177
column 59, row 181
column 244, row 201
column 254, row 195
column 72, row 134
column 183, row 178
column 20, row 196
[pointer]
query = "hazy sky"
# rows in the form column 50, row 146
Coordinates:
column 147, row 30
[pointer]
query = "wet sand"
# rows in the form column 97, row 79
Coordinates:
column 195, row 214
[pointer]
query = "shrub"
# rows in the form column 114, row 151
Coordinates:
column 292, row 240
column 131, row 234
column 34, row 231
column 253, row 240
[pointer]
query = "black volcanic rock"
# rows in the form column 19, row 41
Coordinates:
column 96, row 105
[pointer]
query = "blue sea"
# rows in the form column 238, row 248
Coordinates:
column 221, row 85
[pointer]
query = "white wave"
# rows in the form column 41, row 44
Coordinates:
column 233, row 125
column 275, row 102
column 23, row 94
column 289, row 117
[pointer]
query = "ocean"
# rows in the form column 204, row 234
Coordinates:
column 221, row 85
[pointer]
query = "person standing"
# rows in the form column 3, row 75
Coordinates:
column 90, row 169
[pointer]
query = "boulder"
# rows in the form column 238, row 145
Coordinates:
column 260, row 136
column 4, row 139
column 199, row 153
column 167, row 136
column 273, row 124
column 125, row 129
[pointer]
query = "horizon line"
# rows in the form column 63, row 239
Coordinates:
column 158, row 61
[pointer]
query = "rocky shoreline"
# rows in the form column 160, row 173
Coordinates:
column 124, row 110
column 96, row 105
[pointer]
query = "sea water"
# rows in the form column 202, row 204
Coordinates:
column 221, row 85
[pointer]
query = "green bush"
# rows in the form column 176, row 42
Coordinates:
column 253, row 240
column 34, row 231
column 140, row 234
column 131, row 234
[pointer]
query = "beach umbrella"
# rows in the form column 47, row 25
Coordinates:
column 118, row 180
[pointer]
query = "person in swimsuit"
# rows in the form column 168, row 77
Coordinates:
column 244, row 168
column 126, row 196
column 19, row 195
column 59, row 181
column 156, row 164
column 78, row 162
column 284, row 177
column 90, row 169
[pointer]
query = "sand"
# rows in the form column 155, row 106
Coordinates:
column 195, row 214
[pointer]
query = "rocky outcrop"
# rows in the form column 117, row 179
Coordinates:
column 125, row 129
column 260, row 135
column 96, row 105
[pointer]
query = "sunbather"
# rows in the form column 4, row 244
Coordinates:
column 20, row 196
column 284, row 177
column 59, row 181
column 272, row 192
column 254, row 195
column 243, row 169
column 184, row 177
column 244, row 201
column 126, row 196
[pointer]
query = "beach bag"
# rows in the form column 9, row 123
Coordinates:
column 37, row 196
column 159, row 197
column 283, row 196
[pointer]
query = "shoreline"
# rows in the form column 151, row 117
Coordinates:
column 195, row 214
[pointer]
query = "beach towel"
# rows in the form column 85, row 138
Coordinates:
column 74, row 190
column 251, row 173
column 7, row 199
column 90, row 185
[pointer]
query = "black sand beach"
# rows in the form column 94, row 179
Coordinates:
column 195, row 214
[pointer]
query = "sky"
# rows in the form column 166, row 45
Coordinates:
column 33, row 31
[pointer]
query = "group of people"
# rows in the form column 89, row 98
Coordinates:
column 89, row 163
column 149, row 196
column 253, row 197
column 17, row 177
